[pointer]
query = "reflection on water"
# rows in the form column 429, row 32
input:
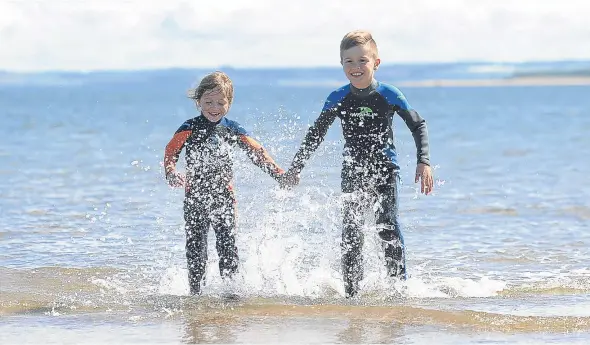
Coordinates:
column 203, row 328
column 231, row 329
column 363, row 331
column 194, row 328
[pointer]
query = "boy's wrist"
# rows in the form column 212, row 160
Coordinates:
column 296, row 168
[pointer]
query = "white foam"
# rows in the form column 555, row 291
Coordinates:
column 279, row 258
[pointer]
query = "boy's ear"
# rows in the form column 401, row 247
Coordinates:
column 377, row 62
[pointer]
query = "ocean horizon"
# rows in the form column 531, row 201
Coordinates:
column 304, row 76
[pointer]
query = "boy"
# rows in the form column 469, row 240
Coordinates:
column 209, row 196
column 370, row 170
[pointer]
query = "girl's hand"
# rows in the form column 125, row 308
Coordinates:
column 175, row 179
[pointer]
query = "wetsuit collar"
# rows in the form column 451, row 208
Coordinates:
column 207, row 122
column 366, row 91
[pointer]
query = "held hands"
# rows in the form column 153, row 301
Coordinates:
column 175, row 179
column 288, row 179
column 424, row 174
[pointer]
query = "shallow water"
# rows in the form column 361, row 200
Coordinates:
column 92, row 244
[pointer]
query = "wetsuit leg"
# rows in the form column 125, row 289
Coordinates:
column 387, row 219
column 352, row 235
column 224, row 225
column 196, row 228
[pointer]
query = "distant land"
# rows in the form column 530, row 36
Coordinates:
column 459, row 74
column 552, row 78
column 541, row 77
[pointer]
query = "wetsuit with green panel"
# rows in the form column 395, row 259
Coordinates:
column 370, row 170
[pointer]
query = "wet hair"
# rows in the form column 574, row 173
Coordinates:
column 212, row 81
column 358, row 38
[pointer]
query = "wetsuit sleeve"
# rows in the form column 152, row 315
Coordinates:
column 413, row 120
column 315, row 135
column 259, row 155
column 417, row 126
column 175, row 146
column 254, row 150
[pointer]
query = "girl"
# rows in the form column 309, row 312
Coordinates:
column 209, row 201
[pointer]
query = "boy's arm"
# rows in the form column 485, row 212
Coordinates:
column 413, row 120
column 417, row 126
column 314, row 137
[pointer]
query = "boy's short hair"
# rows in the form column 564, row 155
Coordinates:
column 358, row 38
column 213, row 81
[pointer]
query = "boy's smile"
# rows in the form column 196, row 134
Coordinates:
column 359, row 64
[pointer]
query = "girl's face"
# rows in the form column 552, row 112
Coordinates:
column 214, row 104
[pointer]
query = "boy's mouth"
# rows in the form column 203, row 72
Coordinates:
column 356, row 74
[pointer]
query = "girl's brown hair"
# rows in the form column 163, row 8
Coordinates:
column 212, row 81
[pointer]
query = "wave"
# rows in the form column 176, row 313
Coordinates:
column 60, row 281
column 227, row 310
column 59, row 290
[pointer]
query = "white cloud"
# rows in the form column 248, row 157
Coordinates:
column 84, row 34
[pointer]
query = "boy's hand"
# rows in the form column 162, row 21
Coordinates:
column 289, row 179
column 175, row 179
column 424, row 173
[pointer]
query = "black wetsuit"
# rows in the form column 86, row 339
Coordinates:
column 209, row 196
column 370, row 170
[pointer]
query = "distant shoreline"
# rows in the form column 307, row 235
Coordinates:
column 516, row 81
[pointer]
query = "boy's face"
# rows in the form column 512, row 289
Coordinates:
column 360, row 64
column 214, row 104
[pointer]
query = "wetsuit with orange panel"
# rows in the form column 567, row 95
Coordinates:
column 209, row 196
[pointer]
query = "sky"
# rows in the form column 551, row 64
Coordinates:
column 84, row 35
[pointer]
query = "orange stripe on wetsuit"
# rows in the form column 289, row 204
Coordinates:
column 263, row 159
column 173, row 150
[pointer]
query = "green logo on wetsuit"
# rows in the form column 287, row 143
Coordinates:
column 364, row 112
